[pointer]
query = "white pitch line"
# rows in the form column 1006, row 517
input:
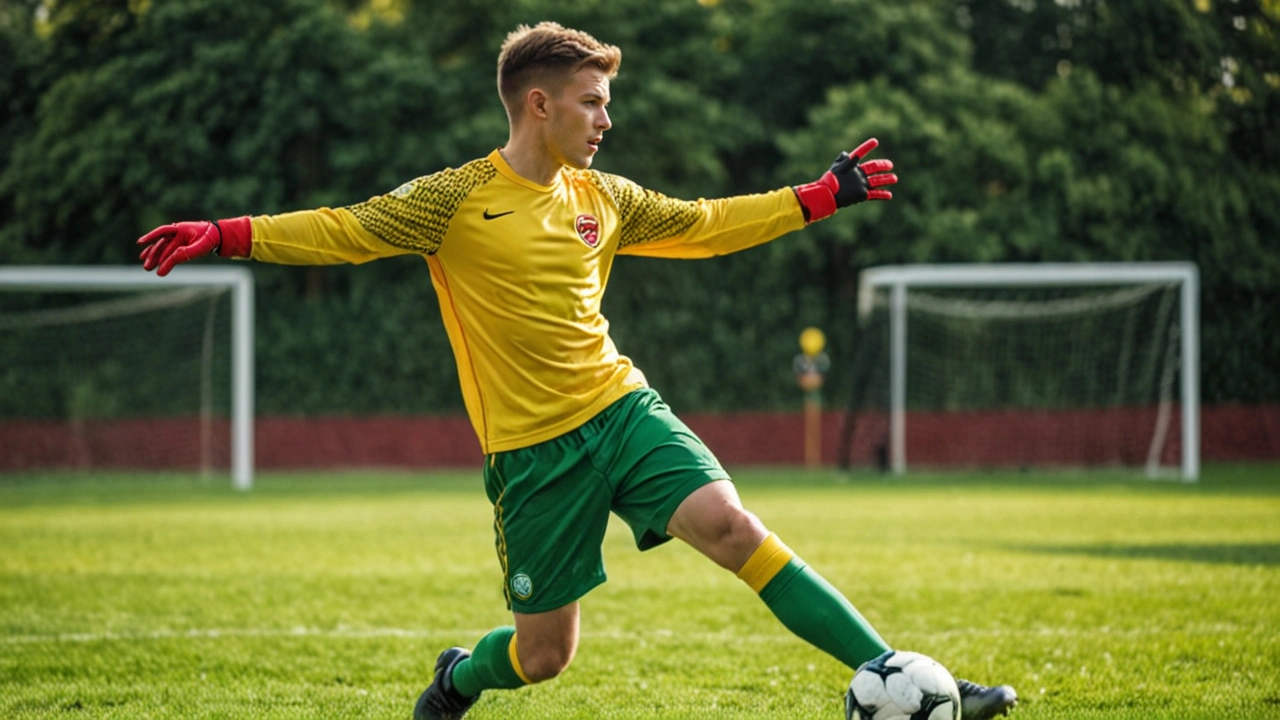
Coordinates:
column 363, row 633
column 656, row 634
column 215, row 633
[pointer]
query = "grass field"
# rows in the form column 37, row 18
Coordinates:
column 329, row 596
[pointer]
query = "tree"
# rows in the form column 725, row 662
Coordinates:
column 190, row 109
column 1196, row 87
column 1083, row 171
column 1083, row 130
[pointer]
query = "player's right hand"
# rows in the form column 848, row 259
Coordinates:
column 168, row 245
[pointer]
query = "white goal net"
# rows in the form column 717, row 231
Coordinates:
column 1049, row 365
column 115, row 369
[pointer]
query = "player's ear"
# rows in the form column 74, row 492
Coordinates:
column 536, row 103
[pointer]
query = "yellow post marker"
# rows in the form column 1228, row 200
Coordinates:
column 810, row 365
column 812, row 341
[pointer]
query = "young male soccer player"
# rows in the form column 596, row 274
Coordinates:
column 520, row 245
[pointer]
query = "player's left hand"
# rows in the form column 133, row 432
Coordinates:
column 849, row 181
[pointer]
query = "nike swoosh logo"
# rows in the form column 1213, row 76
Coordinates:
column 488, row 216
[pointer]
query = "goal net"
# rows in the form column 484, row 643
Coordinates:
column 1051, row 365
column 111, row 368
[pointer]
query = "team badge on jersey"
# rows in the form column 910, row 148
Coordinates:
column 588, row 229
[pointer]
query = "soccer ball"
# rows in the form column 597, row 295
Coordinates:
column 902, row 686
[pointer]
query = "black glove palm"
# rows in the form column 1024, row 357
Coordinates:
column 849, row 181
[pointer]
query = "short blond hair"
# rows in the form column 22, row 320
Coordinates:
column 549, row 54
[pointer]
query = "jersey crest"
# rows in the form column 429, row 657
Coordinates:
column 588, row 229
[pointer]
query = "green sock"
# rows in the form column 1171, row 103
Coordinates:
column 819, row 614
column 489, row 665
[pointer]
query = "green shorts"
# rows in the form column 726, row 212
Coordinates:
column 551, row 501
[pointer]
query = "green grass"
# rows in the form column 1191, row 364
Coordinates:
column 329, row 596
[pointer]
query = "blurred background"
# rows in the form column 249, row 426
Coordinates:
column 1023, row 131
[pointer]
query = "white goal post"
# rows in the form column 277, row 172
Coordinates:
column 899, row 281
column 239, row 283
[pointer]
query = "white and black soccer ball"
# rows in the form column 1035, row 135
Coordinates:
column 902, row 686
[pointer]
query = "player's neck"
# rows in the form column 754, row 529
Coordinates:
column 530, row 161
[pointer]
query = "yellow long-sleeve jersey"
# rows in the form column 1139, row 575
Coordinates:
column 520, row 270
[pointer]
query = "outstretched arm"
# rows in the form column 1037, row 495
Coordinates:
column 308, row 237
column 656, row 226
column 849, row 181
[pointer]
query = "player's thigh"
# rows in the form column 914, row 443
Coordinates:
column 656, row 463
column 550, row 513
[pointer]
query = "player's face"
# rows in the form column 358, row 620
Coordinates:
column 578, row 118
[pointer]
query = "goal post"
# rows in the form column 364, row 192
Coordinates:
column 904, row 295
column 183, row 285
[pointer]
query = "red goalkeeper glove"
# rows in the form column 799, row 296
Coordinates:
column 849, row 181
column 168, row 245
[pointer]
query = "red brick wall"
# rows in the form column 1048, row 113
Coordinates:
column 1229, row 433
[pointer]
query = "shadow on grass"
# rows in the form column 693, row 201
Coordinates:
column 1216, row 554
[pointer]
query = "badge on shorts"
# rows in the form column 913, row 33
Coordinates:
column 522, row 586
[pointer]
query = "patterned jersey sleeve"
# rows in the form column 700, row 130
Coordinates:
column 416, row 215
column 659, row 226
column 647, row 215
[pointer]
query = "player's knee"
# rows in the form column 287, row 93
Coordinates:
column 736, row 535
column 546, row 662
column 742, row 528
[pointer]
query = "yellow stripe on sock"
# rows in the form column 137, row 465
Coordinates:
column 766, row 562
column 515, row 660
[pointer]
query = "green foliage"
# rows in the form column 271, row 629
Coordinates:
column 1082, row 131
